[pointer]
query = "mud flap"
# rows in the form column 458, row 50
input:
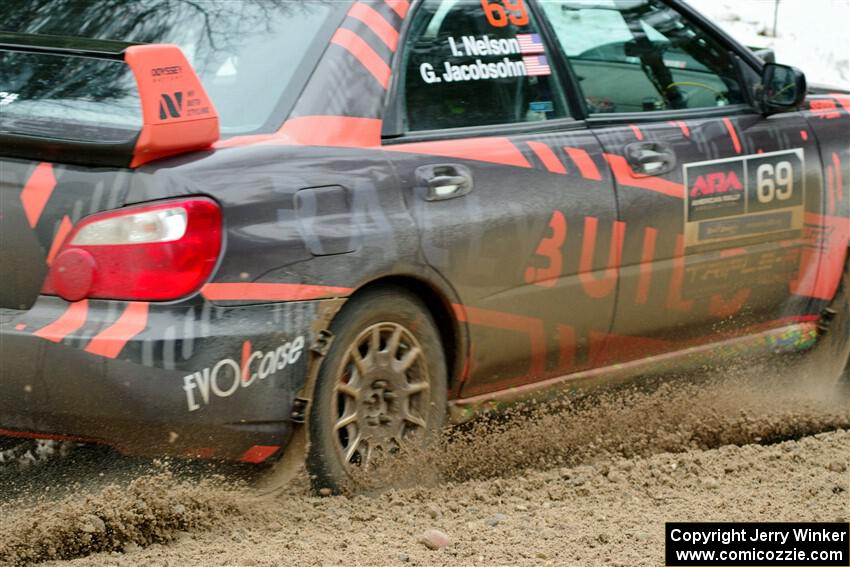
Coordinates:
column 287, row 467
column 291, row 463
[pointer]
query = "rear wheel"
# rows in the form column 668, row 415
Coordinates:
column 842, row 328
column 381, row 387
column 832, row 355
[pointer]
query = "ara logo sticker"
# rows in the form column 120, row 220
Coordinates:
column 170, row 105
column 716, row 183
column 716, row 190
column 228, row 375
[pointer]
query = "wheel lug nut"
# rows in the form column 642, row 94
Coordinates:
column 390, row 396
column 380, row 384
column 385, row 419
column 372, row 420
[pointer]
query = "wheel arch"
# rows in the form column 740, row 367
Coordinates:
column 440, row 301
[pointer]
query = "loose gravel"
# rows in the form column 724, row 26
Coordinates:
column 589, row 481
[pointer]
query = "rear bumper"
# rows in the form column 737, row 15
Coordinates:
column 150, row 379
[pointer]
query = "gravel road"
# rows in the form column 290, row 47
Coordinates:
column 581, row 482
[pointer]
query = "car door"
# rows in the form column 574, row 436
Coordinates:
column 515, row 207
column 711, row 193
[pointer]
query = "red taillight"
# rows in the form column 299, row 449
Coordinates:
column 150, row 252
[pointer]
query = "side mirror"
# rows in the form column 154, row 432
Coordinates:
column 783, row 88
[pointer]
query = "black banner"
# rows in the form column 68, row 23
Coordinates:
column 757, row 544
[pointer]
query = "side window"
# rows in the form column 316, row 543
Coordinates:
column 641, row 55
column 476, row 63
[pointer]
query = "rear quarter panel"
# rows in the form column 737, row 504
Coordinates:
column 277, row 230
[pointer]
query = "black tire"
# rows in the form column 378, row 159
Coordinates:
column 831, row 358
column 382, row 389
column 841, row 328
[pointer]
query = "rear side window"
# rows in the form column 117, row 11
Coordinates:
column 251, row 56
column 477, row 63
column 641, row 55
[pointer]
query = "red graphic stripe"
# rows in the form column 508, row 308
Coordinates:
column 493, row 150
column 59, row 238
column 601, row 286
column 733, row 134
column 270, row 291
column 467, row 368
column 249, row 140
column 636, row 130
column 567, row 347
column 112, row 340
column 460, row 312
column 246, row 357
column 361, row 51
column 71, row 321
column 584, row 163
column 825, row 108
column 548, row 157
column 793, row 319
column 646, row 259
column 625, row 176
column 532, row 327
column 677, row 279
column 822, row 262
column 733, row 252
column 334, row 131
column 830, row 191
column 259, row 453
column 720, row 307
column 607, row 349
column 681, row 125
column 37, row 191
column 48, row 436
column 598, row 352
column 843, row 100
column 839, row 180
column 399, row 6
column 375, row 22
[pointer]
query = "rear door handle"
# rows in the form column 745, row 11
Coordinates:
column 651, row 158
column 444, row 181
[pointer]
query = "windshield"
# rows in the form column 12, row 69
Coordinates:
column 251, row 56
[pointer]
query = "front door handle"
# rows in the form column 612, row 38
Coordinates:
column 651, row 158
column 444, row 181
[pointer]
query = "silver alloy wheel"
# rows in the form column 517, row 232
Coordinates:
column 381, row 395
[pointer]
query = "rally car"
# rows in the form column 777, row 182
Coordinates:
column 227, row 224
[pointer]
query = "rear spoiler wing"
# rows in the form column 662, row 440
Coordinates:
column 177, row 114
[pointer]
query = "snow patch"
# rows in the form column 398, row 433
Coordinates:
column 813, row 35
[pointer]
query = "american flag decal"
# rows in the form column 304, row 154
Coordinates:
column 529, row 43
column 536, row 65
